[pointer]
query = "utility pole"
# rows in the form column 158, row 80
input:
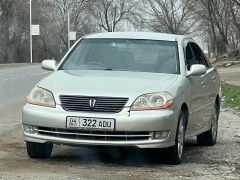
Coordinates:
column 30, row 6
column 69, row 43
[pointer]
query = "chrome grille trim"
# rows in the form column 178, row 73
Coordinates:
column 94, row 135
column 103, row 104
column 101, row 135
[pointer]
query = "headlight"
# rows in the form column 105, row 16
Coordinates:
column 153, row 101
column 41, row 97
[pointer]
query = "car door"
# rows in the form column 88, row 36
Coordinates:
column 213, row 80
column 207, row 90
column 195, row 87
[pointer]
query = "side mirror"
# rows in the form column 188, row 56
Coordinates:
column 49, row 65
column 197, row 70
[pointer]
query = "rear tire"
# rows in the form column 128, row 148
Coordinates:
column 209, row 138
column 39, row 150
column 175, row 152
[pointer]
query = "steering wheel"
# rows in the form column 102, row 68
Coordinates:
column 96, row 63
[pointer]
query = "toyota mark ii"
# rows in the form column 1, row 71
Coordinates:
column 125, row 89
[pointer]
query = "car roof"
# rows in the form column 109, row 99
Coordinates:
column 137, row 35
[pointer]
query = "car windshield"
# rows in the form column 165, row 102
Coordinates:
column 124, row 55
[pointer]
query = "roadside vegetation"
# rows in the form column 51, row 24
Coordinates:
column 231, row 94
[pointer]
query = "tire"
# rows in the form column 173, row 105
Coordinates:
column 209, row 138
column 39, row 150
column 175, row 152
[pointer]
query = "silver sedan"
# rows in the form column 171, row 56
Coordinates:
column 144, row 90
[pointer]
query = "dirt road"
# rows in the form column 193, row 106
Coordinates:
column 219, row 162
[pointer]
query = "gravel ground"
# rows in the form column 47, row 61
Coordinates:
column 221, row 161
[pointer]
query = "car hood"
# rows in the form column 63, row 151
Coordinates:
column 106, row 83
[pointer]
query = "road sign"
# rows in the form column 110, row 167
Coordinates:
column 35, row 30
column 72, row 36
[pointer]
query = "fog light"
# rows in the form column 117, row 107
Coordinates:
column 29, row 128
column 161, row 134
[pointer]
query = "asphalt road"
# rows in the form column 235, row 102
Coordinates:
column 219, row 162
column 230, row 74
column 15, row 85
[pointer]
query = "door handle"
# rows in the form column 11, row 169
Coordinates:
column 203, row 83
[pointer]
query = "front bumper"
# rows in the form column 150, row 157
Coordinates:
column 140, row 121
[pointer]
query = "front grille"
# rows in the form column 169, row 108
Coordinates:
column 102, row 104
column 94, row 135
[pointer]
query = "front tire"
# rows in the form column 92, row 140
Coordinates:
column 39, row 150
column 175, row 152
column 209, row 138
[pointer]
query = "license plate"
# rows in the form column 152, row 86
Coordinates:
column 90, row 123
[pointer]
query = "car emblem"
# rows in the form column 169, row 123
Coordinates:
column 92, row 103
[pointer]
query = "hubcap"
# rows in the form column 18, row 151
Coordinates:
column 214, row 124
column 180, row 137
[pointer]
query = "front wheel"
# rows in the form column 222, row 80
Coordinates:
column 175, row 152
column 209, row 138
column 39, row 150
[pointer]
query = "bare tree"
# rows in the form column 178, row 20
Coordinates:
column 171, row 16
column 13, row 20
column 110, row 13
column 235, row 10
column 216, row 19
column 55, row 27
column 6, row 9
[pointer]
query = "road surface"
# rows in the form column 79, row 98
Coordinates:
column 230, row 74
column 15, row 85
column 218, row 162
